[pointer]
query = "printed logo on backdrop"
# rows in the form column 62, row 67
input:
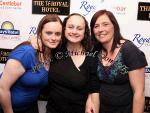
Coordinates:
column 60, row 7
column 4, row 55
column 143, row 11
column 120, row 10
column 141, row 40
column 147, row 104
column 88, row 6
column 8, row 32
column 8, row 4
column 147, row 73
column 32, row 31
column 147, row 70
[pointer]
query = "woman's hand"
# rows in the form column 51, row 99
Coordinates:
column 33, row 41
column 90, row 108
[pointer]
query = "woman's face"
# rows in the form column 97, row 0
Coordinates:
column 51, row 34
column 75, row 29
column 104, row 29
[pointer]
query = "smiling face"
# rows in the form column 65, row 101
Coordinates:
column 75, row 29
column 104, row 29
column 51, row 34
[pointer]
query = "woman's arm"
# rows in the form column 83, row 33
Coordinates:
column 12, row 71
column 33, row 41
column 92, row 104
column 138, row 82
column 96, row 101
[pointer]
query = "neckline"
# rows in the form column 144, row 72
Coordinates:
column 115, row 59
column 77, row 68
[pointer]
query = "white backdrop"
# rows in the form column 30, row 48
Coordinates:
column 19, row 15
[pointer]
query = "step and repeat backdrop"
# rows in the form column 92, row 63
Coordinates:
column 19, row 20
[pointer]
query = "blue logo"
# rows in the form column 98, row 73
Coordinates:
column 7, row 28
column 147, row 70
column 87, row 7
column 32, row 30
column 141, row 40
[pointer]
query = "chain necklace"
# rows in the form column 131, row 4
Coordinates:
column 46, row 62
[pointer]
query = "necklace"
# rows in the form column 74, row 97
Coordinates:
column 46, row 62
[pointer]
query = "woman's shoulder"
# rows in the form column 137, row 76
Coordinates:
column 129, row 48
column 131, row 54
column 25, row 46
column 22, row 49
column 129, row 44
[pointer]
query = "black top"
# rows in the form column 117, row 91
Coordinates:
column 116, row 92
column 70, row 87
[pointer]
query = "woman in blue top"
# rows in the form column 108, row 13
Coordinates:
column 26, row 70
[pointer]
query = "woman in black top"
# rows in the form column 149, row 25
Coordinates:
column 120, row 69
column 72, row 77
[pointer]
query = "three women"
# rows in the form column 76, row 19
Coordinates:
column 73, row 81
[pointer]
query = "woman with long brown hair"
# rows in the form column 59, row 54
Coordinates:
column 26, row 70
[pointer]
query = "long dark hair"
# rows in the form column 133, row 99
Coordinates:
column 117, row 34
column 43, row 21
column 86, row 42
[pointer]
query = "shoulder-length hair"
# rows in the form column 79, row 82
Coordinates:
column 117, row 34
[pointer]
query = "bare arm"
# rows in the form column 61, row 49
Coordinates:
column 12, row 71
column 93, row 104
column 33, row 41
column 137, row 82
column 96, row 101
